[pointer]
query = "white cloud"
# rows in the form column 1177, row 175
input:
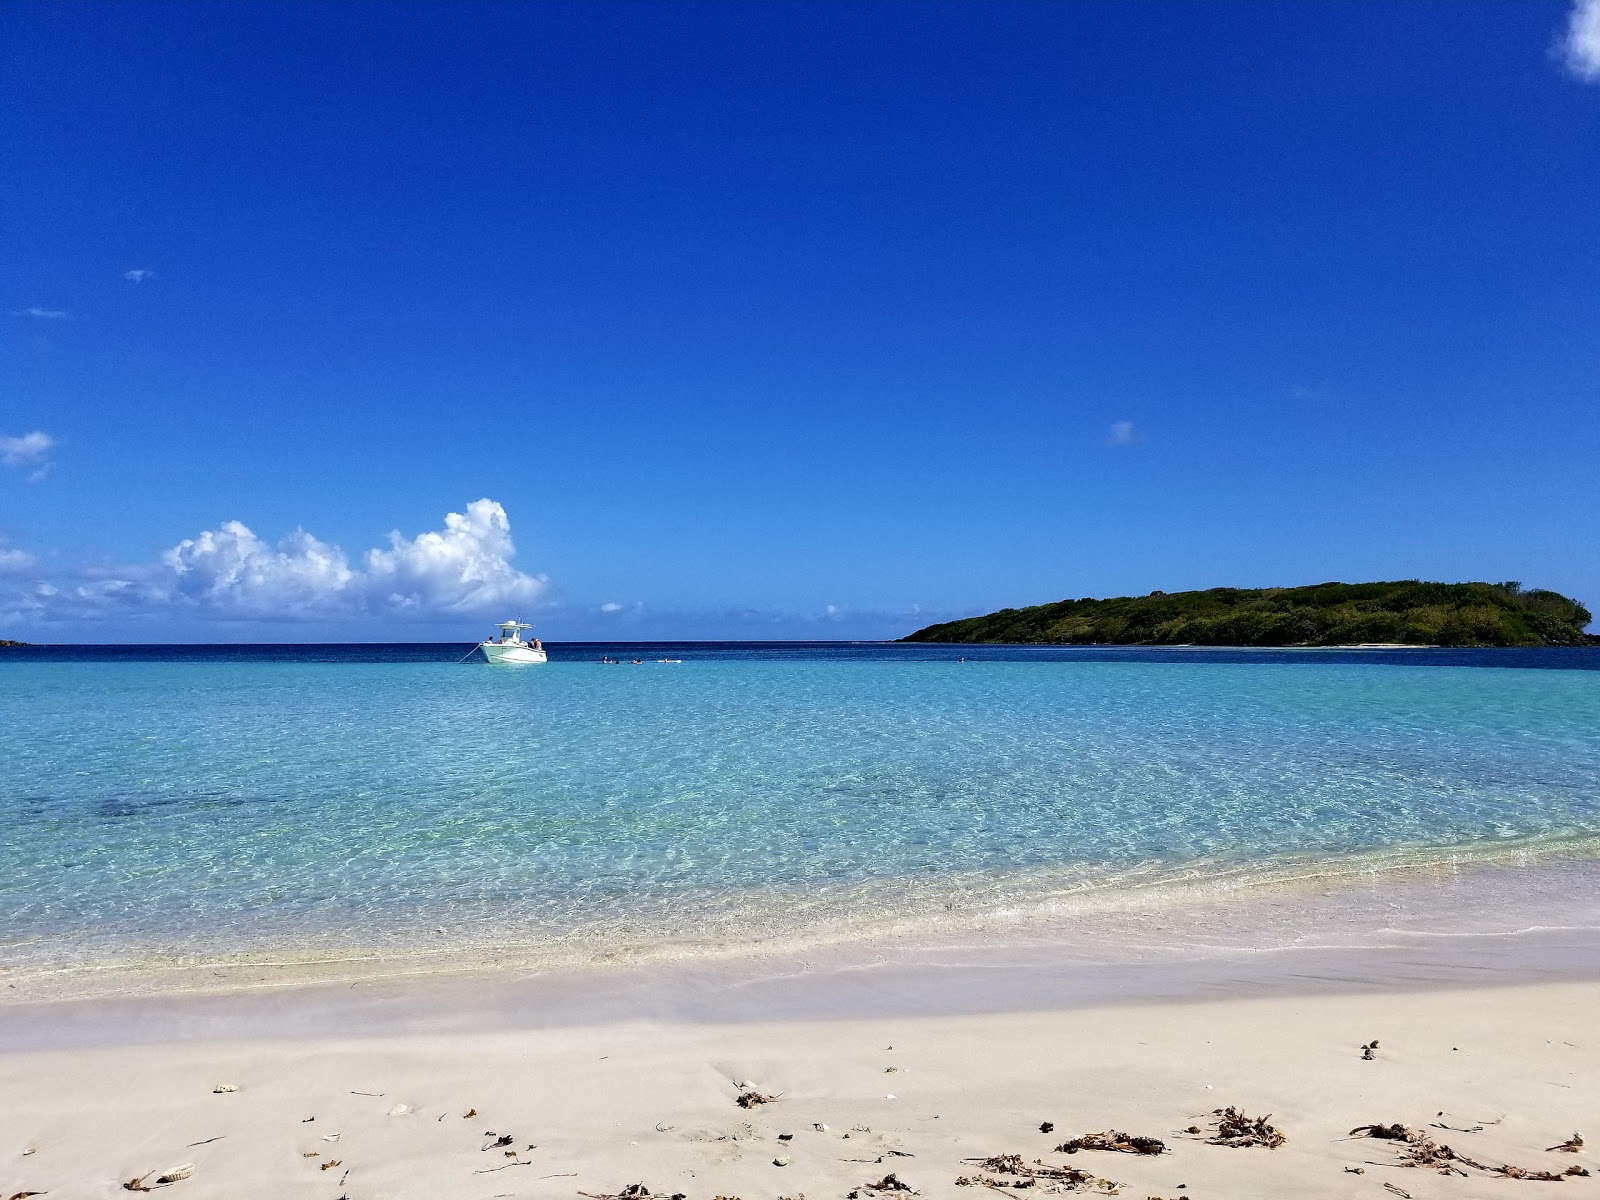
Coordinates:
column 138, row 276
column 610, row 606
column 1580, row 49
column 26, row 449
column 464, row 568
column 1121, row 434
column 43, row 314
column 231, row 573
column 14, row 561
column 234, row 570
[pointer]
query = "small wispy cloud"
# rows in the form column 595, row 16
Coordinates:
column 1580, row 48
column 139, row 276
column 42, row 314
column 25, row 450
column 1121, row 433
column 611, row 606
column 14, row 560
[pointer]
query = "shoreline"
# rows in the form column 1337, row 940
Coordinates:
column 1452, row 926
column 1373, row 900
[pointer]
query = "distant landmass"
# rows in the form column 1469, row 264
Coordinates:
column 4, row 642
column 1326, row 614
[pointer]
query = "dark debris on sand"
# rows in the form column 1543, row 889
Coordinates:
column 1418, row 1149
column 1111, row 1139
column 1237, row 1130
column 635, row 1191
column 1037, row 1174
column 871, row 1191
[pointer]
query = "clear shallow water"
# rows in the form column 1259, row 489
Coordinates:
column 207, row 800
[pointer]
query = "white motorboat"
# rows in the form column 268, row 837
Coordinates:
column 509, row 648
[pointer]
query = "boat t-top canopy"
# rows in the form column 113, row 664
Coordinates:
column 513, row 626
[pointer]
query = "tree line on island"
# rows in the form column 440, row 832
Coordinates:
column 1408, row 612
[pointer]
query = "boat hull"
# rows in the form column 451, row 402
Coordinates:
column 512, row 655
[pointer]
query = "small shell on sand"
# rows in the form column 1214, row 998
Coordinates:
column 224, row 1087
column 176, row 1173
column 399, row 1110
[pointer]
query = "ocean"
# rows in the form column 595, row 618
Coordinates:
column 161, row 802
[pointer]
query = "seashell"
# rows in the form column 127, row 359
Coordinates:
column 176, row 1173
column 780, row 1162
column 399, row 1110
column 224, row 1087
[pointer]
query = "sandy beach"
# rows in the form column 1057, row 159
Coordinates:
column 920, row 1068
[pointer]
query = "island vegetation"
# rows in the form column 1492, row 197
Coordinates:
column 1326, row 614
column 4, row 642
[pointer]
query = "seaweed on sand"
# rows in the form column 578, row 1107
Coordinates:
column 1111, row 1139
column 1418, row 1149
column 1036, row 1174
column 1237, row 1130
column 889, row 1183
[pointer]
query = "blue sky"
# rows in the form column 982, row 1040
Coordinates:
column 784, row 320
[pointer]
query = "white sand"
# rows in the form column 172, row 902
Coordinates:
column 610, row 1104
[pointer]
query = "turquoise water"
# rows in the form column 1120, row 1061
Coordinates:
column 201, row 806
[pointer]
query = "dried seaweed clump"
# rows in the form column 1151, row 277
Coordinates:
column 1236, row 1129
column 1572, row 1145
column 1418, row 1149
column 889, row 1183
column 1121, row 1143
column 754, row 1099
column 634, row 1191
column 1036, row 1174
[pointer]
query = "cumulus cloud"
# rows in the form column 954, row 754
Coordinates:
column 43, row 314
column 463, row 568
column 234, row 570
column 232, row 573
column 611, row 606
column 1580, row 49
column 24, row 450
column 1120, row 434
column 138, row 276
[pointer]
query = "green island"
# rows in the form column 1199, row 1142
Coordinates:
column 1405, row 612
column 4, row 642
